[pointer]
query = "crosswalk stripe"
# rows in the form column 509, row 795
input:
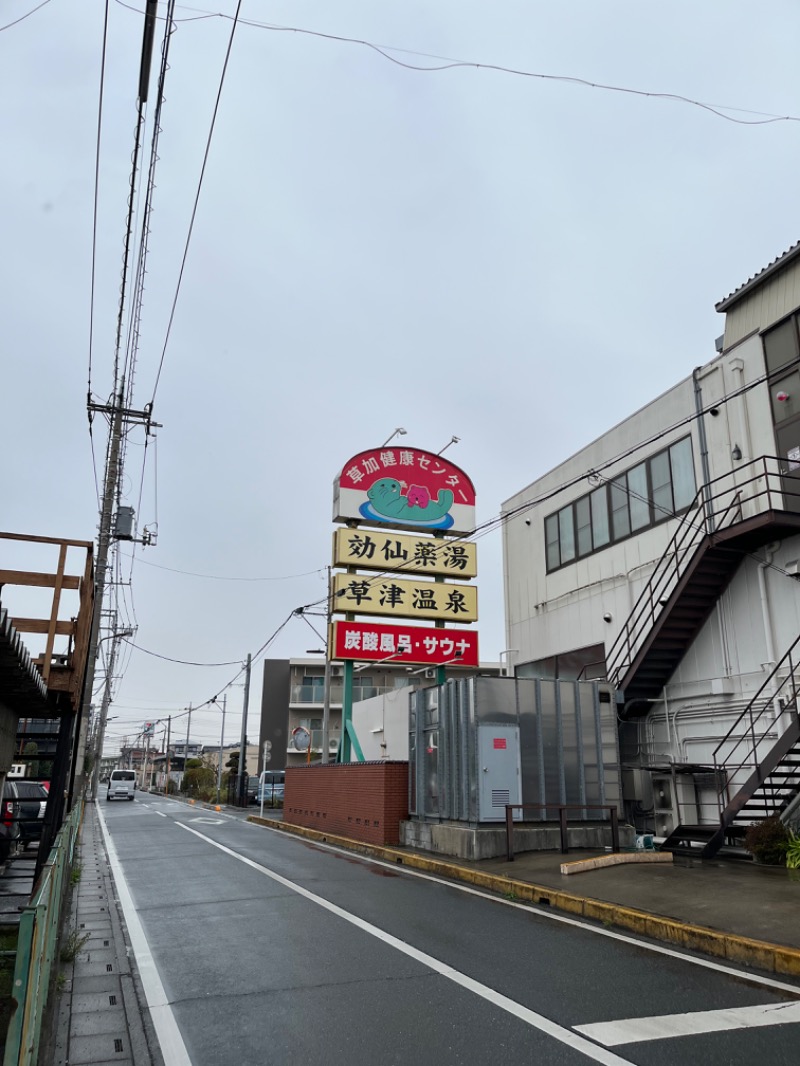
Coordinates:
column 668, row 1026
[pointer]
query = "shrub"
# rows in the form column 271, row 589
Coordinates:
column 767, row 841
column 793, row 851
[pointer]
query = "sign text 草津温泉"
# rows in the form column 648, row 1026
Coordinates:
column 396, row 597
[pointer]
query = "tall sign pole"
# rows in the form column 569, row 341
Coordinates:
column 424, row 578
column 326, row 696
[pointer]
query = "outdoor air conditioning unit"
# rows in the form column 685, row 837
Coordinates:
column 431, row 673
column 336, row 671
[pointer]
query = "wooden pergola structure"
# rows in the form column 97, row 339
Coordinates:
column 61, row 672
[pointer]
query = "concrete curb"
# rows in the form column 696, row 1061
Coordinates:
column 772, row 958
column 619, row 858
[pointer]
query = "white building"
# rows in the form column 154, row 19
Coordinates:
column 665, row 556
column 293, row 696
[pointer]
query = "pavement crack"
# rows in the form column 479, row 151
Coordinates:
column 238, row 996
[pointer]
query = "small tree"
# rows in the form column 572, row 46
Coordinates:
column 29, row 753
column 767, row 841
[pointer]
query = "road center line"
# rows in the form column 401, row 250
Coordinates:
column 668, row 1026
column 169, row 1035
column 537, row 1021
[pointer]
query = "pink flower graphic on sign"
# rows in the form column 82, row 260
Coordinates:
column 418, row 496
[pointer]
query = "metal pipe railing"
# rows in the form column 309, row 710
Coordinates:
column 763, row 480
column 562, row 809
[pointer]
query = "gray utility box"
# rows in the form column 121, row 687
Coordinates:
column 499, row 771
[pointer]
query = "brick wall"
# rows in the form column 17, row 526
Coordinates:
column 364, row 801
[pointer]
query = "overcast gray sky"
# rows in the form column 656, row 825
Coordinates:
column 515, row 261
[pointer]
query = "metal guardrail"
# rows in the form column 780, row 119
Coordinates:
column 750, row 733
column 36, row 948
column 562, row 809
column 764, row 484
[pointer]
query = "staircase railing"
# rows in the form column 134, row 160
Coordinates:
column 774, row 699
column 757, row 486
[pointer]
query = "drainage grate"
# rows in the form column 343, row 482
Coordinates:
column 105, row 943
column 109, row 967
column 118, row 1046
column 112, row 1001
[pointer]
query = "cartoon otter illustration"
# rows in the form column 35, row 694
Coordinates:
column 416, row 506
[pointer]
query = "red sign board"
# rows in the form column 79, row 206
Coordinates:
column 500, row 743
column 405, row 488
column 373, row 642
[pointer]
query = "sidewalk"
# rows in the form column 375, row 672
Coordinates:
column 101, row 1014
column 741, row 912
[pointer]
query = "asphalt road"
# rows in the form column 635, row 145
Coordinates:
column 256, row 947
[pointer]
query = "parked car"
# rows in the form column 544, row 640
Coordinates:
column 23, row 806
column 252, row 789
column 272, row 787
column 121, row 785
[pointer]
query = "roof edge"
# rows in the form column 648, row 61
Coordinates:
column 757, row 279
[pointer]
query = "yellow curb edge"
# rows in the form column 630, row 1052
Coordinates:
column 774, row 958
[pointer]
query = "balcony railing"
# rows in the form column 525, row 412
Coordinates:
column 315, row 694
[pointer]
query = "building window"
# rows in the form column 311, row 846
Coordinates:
column 647, row 494
column 781, row 345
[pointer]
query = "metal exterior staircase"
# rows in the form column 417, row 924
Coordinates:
column 732, row 515
column 768, row 780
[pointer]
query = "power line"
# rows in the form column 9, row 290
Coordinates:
column 181, row 662
column 22, row 18
column 196, row 199
column 450, row 63
column 94, row 237
column 222, row 577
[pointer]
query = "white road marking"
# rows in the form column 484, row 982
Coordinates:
column 537, row 1021
column 667, row 1026
column 208, row 821
column 160, row 814
column 587, row 927
column 167, row 1031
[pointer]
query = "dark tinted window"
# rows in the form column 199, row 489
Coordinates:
column 658, row 488
column 30, row 790
column 123, row 775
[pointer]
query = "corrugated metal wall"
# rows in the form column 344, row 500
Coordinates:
column 568, row 738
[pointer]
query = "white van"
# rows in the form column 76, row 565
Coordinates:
column 121, row 785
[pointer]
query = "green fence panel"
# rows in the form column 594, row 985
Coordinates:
column 36, row 948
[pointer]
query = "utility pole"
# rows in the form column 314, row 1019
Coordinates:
column 100, row 731
column 119, row 416
column 145, row 780
column 186, row 749
column 169, row 737
column 221, row 747
column 242, row 790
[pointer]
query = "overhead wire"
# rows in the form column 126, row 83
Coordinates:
column 223, row 577
column 22, row 18
column 451, row 63
column 193, row 217
column 95, row 207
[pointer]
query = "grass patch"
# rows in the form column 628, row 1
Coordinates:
column 72, row 945
column 76, row 874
